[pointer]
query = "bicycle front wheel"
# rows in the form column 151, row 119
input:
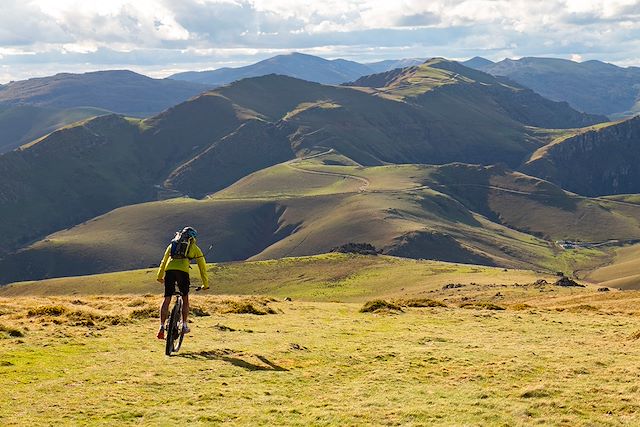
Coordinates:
column 174, row 330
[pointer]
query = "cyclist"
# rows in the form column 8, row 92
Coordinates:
column 174, row 272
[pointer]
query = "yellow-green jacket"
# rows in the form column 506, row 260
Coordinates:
column 182, row 264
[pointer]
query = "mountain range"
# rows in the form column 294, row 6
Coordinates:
column 118, row 91
column 298, row 65
column 30, row 109
column 275, row 166
column 592, row 86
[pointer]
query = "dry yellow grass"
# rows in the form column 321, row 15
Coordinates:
column 554, row 356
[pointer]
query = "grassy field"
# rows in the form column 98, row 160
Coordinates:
column 328, row 277
column 492, row 353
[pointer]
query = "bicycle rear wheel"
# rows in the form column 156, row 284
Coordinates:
column 174, row 330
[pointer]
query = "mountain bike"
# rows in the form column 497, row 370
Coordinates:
column 174, row 328
column 175, row 333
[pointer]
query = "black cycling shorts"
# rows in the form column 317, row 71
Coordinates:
column 173, row 278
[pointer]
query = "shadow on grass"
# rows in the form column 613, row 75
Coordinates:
column 226, row 356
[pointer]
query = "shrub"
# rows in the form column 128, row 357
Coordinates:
column 47, row 310
column 535, row 392
column 453, row 286
column 198, row 311
column 424, row 302
column 357, row 248
column 583, row 307
column 378, row 305
column 481, row 305
column 87, row 318
column 145, row 313
column 245, row 307
column 568, row 283
column 12, row 332
column 136, row 303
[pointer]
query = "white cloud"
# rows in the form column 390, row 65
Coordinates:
column 177, row 33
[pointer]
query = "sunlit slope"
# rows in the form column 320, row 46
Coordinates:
column 507, row 197
column 623, row 272
column 459, row 213
column 472, row 92
column 316, row 278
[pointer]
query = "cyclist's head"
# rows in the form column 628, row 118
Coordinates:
column 191, row 232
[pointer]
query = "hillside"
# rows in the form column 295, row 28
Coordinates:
column 590, row 86
column 438, row 113
column 24, row 123
column 357, row 278
column 298, row 65
column 599, row 161
column 207, row 143
column 101, row 164
column 458, row 213
column 453, row 87
column 119, row 91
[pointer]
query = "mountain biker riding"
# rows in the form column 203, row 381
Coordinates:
column 175, row 271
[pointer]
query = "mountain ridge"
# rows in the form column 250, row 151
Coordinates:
column 207, row 143
column 590, row 86
column 297, row 65
column 119, row 91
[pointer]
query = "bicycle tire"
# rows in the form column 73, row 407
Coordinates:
column 174, row 334
column 178, row 344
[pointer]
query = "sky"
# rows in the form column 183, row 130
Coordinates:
column 161, row 37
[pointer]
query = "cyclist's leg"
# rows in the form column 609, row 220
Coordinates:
column 185, row 308
column 169, row 290
column 183, row 285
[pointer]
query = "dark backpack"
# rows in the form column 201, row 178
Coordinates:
column 180, row 245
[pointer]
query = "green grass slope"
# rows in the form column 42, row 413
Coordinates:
column 458, row 213
column 622, row 272
column 326, row 277
column 92, row 167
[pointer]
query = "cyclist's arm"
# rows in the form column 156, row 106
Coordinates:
column 163, row 263
column 202, row 266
